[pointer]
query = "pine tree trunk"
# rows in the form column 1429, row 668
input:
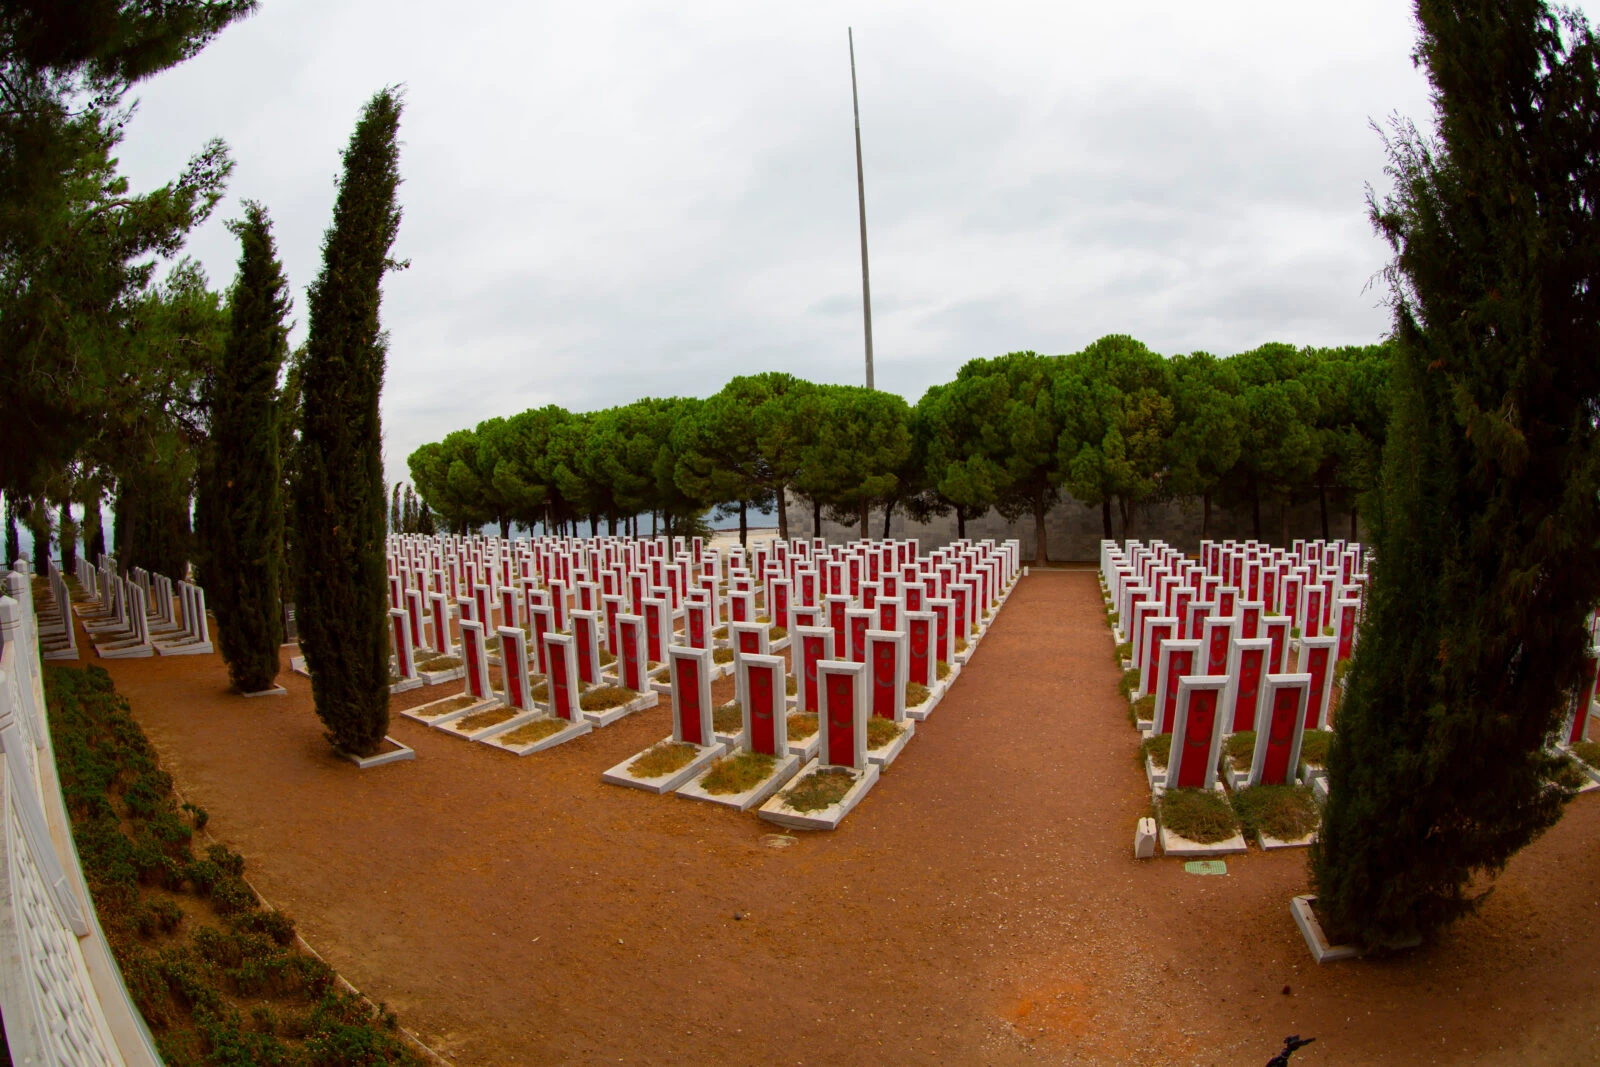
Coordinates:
column 1041, row 551
column 783, row 513
column 961, row 522
column 1105, row 518
column 1205, row 515
column 744, row 525
column 1255, row 511
column 1353, row 536
column 1322, row 500
column 888, row 510
column 816, row 518
column 865, row 514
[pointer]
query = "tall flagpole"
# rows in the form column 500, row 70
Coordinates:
column 861, row 197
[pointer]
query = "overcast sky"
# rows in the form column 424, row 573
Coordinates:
column 607, row 201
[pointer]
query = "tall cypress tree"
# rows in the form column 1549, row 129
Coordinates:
column 1488, row 521
column 245, row 558
column 94, row 531
column 13, row 538
column 339, row 515
column 69, row 539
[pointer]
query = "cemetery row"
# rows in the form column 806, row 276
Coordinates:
column 126, row 617
column 836, row 652
column 1231, row 662
column 1232, row 665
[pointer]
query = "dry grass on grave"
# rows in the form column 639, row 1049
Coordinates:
column 662, row 759
column 777, row 633
column 1130, row 682
column 1587, row 751
column 791, row 685
column 737, row 773
column 801, row 725
column 482, row 720
column 821, row 790
column 1199, row 815
column 961, row 644
column 916, row 693
column 1122, row 652
column 1143, row 708
column 534, row 732
column 1240, row 747
column 445, row 707
column 607, row 658
column 720, row 633
column 606, row 697
column 881, row 731
column 1314, row 747
column 727, row 718
column 942, row 670
column 434, row 664
column 722, row 655
column 1287, row 812
column 1158, row 748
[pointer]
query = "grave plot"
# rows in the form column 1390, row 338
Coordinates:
column 674, row 760
column 560, row 720
column 888, row 728
column 1192, row 808
column 1582, row 754
column 760, row 763
column 835, row 782
column 478, row 693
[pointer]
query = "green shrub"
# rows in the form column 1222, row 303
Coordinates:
column 1129, row 683
column 1200, row 815
column 1158, row 748
column 1314, row 747
column 1287, row 812
column 1122, row 652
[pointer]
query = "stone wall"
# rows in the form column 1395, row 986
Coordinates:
column 1073, row 530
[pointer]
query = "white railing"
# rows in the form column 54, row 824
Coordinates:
column 61, row 994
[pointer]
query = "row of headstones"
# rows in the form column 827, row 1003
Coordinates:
column 1236, row 676
column 133, row 617
column 848, row 569
column 542, row 610
column 844, row 677
column 866, row 664
column 1230, row 585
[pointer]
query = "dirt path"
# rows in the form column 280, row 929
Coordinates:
column 981, row 906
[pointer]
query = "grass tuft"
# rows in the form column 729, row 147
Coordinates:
column 1144, row 707
column 1287, row 812
column 802, row 724
column 605, row 698
column 1241, row 746
column 1314, row 747
column 537, row 730
column 737, row 773
column 482, row 720
column 942, row 670
column 1588, row 752
column 1122, row 652
column 1200, row 815
column 727, row 718
column 916, row 693
column 881, row 731
column 821, row 790
column 1158, row 748
column 439, row 663
column 722, row 655
column 662, row 759
column 445, row 707
column 607, row 657
column 791, row 685
column 1129, row 682
column 777, row 633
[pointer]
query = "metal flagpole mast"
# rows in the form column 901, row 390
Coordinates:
column 861, row 198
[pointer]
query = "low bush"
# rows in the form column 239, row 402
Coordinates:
column 1158, row 748
column 1287, row 812
column 205, row 987
column 1314, row 747
column 820, row 790
column 737, row 773
column 1200, row 815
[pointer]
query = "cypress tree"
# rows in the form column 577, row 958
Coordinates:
column 94, row 532
column 69, row 539
column 13, row 539
column 1487, row 518
column 394, row 510
column 245, row 559
column 339, row 527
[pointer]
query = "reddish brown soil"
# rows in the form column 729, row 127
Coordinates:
column 981, row 906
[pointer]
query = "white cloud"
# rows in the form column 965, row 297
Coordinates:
column 609, row 201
